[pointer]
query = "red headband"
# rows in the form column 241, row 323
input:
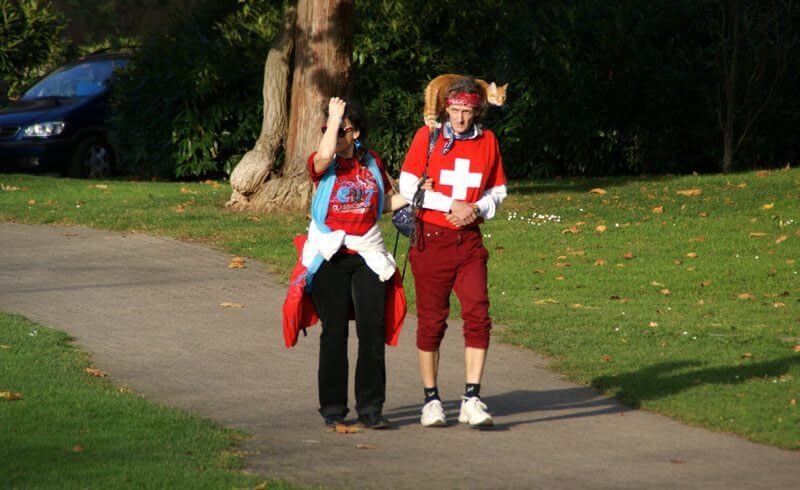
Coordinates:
column 465, row 99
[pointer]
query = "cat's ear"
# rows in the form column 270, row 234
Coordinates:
column 493, row 87
column 504, row 87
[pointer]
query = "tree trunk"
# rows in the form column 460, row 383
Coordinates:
column 252, row 172
column 323, row 47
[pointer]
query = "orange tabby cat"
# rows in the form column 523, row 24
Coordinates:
column 436, row 90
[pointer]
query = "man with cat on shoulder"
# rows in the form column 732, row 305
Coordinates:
column 468, row 186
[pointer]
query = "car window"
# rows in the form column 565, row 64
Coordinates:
column 76, row 80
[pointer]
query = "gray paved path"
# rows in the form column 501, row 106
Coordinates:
column 148, row 310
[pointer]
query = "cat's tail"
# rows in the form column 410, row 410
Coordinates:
column 431, row 122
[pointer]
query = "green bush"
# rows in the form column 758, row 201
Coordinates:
column 30, row 43
column 189, row 104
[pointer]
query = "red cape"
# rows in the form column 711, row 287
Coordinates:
column 299, row 311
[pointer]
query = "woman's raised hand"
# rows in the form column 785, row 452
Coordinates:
column 427, row 185
column 336, row 108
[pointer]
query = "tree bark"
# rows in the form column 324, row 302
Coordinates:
column 253, row 171
column 323, row 47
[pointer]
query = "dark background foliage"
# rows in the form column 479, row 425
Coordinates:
column 595, row 87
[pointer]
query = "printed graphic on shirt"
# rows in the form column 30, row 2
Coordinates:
column 354, row 196
column 460, row 178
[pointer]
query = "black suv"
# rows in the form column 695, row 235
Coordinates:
column 61, row 123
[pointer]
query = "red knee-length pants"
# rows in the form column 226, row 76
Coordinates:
column 446, row 260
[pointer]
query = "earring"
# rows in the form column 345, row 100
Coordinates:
column 357, row 144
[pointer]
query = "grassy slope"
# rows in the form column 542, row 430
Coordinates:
column 699, row 353
column 73, row 430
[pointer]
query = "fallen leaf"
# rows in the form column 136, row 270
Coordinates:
column 606, row 358
column 10, row 395
column 254, row 218
column 366, row 446
column 701, row 302
column 655, row 283
column 797, row 348
column 782, row 238
column 658, row 209
column 691, row 268
column 571, row 229
column 100, row 186
column 743, row 185
column 236, row 263
column 95, row 372
column 746, row 355
column 789, row 261
column 180, row 209
column 692, row 255
column 231, row 305
column 598, row 191
column 576, row 305
column 677, row 261
column 705, row 284
column 768, row 206
column 77, row 448
column 652, row 324
column 793, row 401
column 184, row 190
column 5, row 346
column 628, row 255
column 747, row 296
column 32, row 202
column 702, row 214
column 600, row 228
column 560, row 278
column 779, row 305
column 762, row 173
column 346, row 429
column 9, row 188
column 599, row 262
column 757, row 234
column 690, row 192
column 560, row 265
column 698, row 239
column 665, row 292
column 545, row 301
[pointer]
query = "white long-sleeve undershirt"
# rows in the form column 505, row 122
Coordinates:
column 487, row 205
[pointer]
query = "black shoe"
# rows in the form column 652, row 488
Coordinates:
column 373, row 420
column 333, row 420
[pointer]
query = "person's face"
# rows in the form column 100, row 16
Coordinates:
column 344, row 142
column 461, row 117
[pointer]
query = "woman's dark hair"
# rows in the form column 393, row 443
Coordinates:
column 470, row 86
column 354, row 112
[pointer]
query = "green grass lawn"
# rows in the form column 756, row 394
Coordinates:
column 71, row 430
column 687, row 305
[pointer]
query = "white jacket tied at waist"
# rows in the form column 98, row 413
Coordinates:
column 369, row 245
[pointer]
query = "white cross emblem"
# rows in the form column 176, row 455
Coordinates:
column 460, row 178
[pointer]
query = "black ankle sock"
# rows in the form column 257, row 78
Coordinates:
column 431, row 394
column 473, row 389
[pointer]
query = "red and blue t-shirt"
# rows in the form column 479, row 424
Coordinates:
column 353, row 206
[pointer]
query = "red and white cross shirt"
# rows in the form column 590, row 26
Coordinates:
column 472, row 171
column 354, row 201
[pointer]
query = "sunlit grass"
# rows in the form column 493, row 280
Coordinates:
column 707, row 338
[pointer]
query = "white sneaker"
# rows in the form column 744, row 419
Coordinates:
column 433, row 414
column 473, row 412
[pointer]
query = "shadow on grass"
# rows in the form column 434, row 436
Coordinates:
column 668, row 378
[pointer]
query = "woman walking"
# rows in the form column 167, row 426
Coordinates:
column 347, row 269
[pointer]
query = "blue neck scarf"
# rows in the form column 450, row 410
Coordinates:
column 321, row 201
column 450, row 136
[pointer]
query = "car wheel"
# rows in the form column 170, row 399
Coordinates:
column 91, row 159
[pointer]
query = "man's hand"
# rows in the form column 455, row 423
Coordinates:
column 461, row 214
